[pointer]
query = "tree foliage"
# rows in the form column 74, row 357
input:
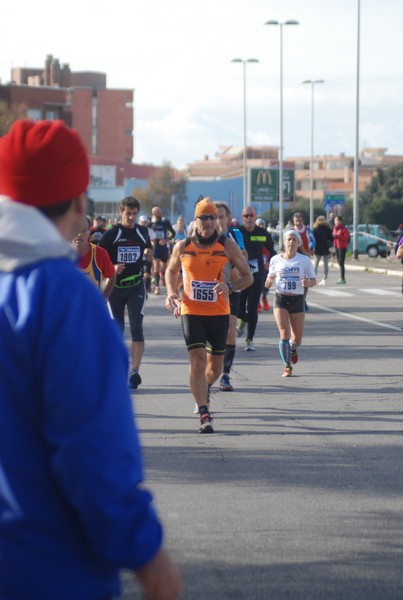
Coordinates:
column 9, row 115
column 163, row 189
column 382, row 201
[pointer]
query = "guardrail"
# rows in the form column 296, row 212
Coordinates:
column 389, row 243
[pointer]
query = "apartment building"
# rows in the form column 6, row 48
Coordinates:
column 103, row 116
column 335, row 173
column 229, row 162
column 331, row 173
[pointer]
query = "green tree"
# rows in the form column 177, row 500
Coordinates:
column 9, row 115
column 163, row 187
column 382, row 200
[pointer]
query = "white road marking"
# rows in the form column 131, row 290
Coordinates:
column 379, row 292
column 333, row 293
column 358, row 318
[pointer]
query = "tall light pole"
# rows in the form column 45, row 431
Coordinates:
column 245, row 172
column 356, row 157
column 280, row 172
column 312, row 83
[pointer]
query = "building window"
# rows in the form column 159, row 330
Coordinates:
column 34, row 113
column 94, row 111
column 94, row 141
column 51, row 115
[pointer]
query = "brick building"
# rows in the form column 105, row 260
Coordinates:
column 103, row 117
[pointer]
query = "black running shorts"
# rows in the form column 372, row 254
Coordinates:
column 161, row 252
column 205, row 332
column 234, row 299
column 294, row 304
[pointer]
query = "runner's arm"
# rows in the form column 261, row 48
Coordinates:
column 172, row 300
column 235, row 255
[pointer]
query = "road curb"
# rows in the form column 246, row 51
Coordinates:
column 370, row 269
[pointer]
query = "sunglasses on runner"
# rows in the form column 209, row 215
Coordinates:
column 207, row 217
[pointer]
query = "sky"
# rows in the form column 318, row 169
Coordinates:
column 188, row 103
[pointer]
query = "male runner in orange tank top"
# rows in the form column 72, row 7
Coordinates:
column 206, row 259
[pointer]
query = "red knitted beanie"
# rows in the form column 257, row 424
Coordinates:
column 42, row 163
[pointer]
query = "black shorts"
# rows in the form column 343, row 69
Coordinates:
column 210, row 333
column 161, row 252
column 234, row 299
column 294, row 304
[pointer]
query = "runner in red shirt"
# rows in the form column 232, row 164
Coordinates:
column 95, row 261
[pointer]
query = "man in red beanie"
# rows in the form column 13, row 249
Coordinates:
column 72, row 509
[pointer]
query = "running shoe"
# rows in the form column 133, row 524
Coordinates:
column 134, row 379
column 156, row 291
column 341, row 280
column 206, row 424
column 287, row 371
column 294, row 357
column 240, row 328
column 266, row 305
column 225, row 385
column 322, row 282
column 249, row 346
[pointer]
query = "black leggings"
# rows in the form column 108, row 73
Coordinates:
column 341, row 257
column 134, row 298
column 248, row 304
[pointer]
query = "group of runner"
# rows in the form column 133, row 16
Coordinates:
column 214, row 277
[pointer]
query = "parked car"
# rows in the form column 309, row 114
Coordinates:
column 371, row 240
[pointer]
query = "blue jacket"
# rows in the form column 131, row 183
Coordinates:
column 72, row 512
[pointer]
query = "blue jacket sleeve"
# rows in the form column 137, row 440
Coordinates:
column 88, row 423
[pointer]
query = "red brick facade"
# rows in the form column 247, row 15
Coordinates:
column 102, row 116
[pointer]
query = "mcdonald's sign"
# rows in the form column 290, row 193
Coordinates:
column 264, row 185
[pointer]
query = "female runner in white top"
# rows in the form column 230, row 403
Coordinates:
column 292, row 273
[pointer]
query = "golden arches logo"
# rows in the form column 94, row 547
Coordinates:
column 264, row 177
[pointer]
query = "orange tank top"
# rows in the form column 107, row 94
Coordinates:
column 200, row 267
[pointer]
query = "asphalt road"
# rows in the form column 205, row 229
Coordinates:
column 298, row 493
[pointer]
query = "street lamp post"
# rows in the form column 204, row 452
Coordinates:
column 280, row 190
column 245, row 184
column 357, row 131
column 312, row 83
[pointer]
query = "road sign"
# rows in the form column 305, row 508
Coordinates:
column 333, row 201
column 264, row 185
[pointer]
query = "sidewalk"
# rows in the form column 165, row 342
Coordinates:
column 387, row 266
